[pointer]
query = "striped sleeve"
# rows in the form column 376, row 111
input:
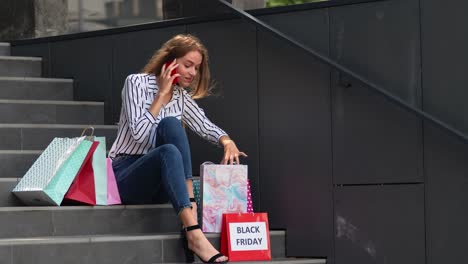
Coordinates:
column 133, row 98
column 196, row 119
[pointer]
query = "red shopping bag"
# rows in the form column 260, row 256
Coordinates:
column 82, row 188
column 245, row 236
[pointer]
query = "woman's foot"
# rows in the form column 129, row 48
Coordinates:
column 199, row 244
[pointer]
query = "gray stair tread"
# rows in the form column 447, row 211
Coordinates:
column 25, row 152
column 6, row 196
column 22, row 58
column 15, row 163
column 105, row 238
column 5, row 49
column 20, row 66
column 52, row 102
column 82, row 207
column 22, row 88
column 292, row 261
column 17, row 137
column 58, row 221
column 144, row 248
column 51, row 112
column 5, row 44
column 35, row 79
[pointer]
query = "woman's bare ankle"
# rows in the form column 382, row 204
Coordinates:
column 194, row 211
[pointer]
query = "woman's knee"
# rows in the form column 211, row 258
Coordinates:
column 170, row 152
column 170, row 122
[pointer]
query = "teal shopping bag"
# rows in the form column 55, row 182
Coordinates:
column 49, row 178
column 100, row 171
column 197, row 196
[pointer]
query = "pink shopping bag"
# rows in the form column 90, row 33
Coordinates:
column 249, row 198
column 113, row 196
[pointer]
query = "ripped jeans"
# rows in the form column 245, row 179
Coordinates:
column 160, row 175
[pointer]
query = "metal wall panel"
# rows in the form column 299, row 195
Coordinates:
column 374, row 141
column 295, row 142
column 35, row 50
column 380, row 224
column 309, row 27
column 445, row 160
column 445, row 60
column 131, row 52
column 232, row 48
column 89, row 62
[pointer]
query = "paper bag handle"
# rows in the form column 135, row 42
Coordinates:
column 86, row 128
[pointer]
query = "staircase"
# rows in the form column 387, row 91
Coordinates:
column 33, row 111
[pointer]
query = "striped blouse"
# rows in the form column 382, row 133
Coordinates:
column 137, row 126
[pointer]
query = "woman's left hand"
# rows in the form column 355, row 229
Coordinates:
column 231, row 152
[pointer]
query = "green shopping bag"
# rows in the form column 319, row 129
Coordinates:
column 100, row 171
column 49, row 178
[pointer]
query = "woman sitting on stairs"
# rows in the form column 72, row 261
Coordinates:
column 151, row 154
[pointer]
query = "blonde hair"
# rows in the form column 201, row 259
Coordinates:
column 178, row 46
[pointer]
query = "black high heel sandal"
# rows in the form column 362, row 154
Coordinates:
column 189, row 254
column 192, row 200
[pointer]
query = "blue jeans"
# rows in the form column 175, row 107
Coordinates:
column 160, row 175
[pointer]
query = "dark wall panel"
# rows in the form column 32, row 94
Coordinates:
column 309, row 27
column 131, row 52
column 445, row 60
column 35, row 50
column 89, row 62
column 232, row 48
column 295, row 143
column 380, row 41
column 445, row 159
column 374, row 141
column 380, row 224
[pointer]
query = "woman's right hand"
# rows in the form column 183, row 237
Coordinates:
column 165, row 79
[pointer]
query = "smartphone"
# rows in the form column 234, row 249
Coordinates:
column 174, row 71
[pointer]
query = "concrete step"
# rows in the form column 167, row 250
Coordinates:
column 26, row 88
column 20, row 66
column 4, row 49
column 157, row 248
column 290, row 261
column 38, row 221
column 51, row 112
column 38, row 136
column 6, row 197
column 15, row 163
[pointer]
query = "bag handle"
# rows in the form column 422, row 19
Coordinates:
column 87, row 128
column 90, row 137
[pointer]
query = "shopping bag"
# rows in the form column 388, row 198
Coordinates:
column 50, row 176
column 113, row 196
column 246, row 237
column 224, row 190
column 100, row 171
column 249, row 198
column 197, row 195
column 82, row 188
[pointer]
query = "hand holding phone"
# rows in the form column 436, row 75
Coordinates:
column 174, row 71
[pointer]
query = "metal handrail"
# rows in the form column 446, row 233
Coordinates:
column 374, row 87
